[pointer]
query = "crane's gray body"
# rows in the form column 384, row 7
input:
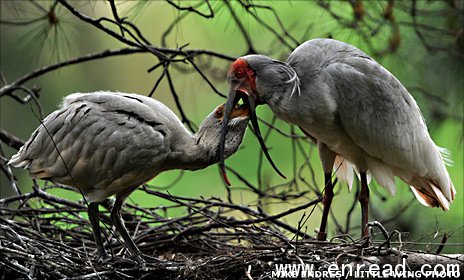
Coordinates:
column 354, row 107
column 107, row 143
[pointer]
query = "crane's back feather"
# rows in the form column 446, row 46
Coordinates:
column 375, row 123
column 97, row 142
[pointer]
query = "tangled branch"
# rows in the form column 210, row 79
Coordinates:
column 44, row 235
column 53, row 239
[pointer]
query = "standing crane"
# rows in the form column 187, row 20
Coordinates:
column 106, row 143
column 360, row 116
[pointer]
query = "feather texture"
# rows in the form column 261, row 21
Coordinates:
column 362, row 113
column 106, row 143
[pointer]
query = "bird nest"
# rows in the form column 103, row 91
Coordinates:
column 47, row 237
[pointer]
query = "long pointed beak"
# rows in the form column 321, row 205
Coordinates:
column 228, row 108
column 254, row 123
column 231, row 101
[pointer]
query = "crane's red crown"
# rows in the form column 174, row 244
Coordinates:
column 241, row 70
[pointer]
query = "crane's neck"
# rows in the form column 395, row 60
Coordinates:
column 297, row 97
column 277, row 84
column 283, row 100
column 190, row 153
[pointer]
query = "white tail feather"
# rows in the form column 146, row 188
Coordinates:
column 383, row 174
column 441, row 198
column 344, row 170
column 424, row 189
column 17, row 161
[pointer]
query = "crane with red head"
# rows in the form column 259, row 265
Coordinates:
column 243, row 84
column 361, row 117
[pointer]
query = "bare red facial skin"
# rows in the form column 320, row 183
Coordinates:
column 241, row 70
column 242, row 79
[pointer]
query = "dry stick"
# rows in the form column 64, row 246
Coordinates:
column 240, row 26
column 206, row 78
column 97, row 23
column 193, row 9
column 168, row 30
column 142, row 42
column 20, row 197
column 259, row 192
column 248, row 7
column 264, row 217
column 307, row 163
column 36, row 73
column 158, row 81
column 114, row 10
column 159, row 52
column 172, row 184
column 230, row 224
column 31, row 95
column 432, row 97
column 9, row 173
column 175, row 22
column 44, row 195
column 429, row 47
column 223, row 260
column 442, row 244
column 177, row 101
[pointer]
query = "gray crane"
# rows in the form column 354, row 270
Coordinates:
column 106, row 143
column 361, row 117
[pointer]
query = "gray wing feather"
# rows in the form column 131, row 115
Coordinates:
column 102, row 137
column 378, row 113
column 372, row 106
column 356, row 97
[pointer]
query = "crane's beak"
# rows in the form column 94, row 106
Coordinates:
column 235, row 95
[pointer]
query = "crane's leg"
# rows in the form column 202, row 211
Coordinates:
column 120, row 227
column 364, row 200
column 326, row 201
column 327, row 159
column 94, row 218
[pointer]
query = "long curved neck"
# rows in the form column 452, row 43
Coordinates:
column 282, row 100
column 190, row 154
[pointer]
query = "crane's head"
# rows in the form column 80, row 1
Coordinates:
column 209, row 132
column 252, row 79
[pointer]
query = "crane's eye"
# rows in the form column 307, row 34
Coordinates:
column 239, row 73
column 218, row 113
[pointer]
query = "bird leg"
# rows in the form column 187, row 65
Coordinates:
column 326, row 201
column 364, row 201
column 121, row 228
column 327, row 159
column 94, row 218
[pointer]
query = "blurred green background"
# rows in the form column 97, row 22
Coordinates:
column 433, row 76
